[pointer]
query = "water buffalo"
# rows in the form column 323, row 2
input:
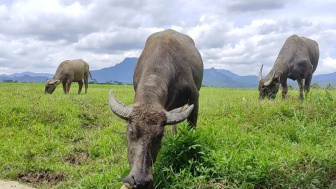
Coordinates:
column 297, row 60
column 67, row 72
column 167, row 78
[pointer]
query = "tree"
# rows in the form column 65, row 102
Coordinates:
column 330, row 87
column 315, row 86
column 8, row 81
column 291, row 87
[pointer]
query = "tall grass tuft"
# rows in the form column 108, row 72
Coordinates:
column 185, row 159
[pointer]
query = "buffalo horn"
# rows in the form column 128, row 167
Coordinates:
column 269, row 81
column 260, row 73
column 173, row 117
column 120, row 109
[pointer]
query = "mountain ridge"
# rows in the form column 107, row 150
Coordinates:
column 123, row 73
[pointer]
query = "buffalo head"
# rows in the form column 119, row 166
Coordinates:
column 145, row 130
column 51, row 85
column 268, row 87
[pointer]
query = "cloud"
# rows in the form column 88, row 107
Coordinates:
column 45, row 20
column 256, row 5
column 116, row 40
column 236, row 35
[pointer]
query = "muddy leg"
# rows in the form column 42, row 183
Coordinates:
column 300, row 83
column 80, row 83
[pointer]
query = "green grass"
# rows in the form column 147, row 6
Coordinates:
column 75, row 141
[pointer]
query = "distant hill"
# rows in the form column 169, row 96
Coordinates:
column 33, row 74
column 224, row 78
column 24, row 78
column 123, row 73
column 325, row 79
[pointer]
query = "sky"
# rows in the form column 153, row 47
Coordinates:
column 240, row 35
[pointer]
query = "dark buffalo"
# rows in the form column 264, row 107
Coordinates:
column 67, row 72
column 297, row 60
column 167, row 77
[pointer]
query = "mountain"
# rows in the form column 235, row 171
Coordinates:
column 123, row 73
column 224, row 78
column 33, row 74
column 23, row 78
column 324, row 79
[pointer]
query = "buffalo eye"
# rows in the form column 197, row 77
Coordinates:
column 131, row 133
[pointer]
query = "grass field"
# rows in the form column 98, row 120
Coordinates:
column 75, row 141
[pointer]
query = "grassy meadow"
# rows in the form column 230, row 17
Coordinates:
column 75, row 141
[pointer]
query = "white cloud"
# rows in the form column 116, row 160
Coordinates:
column 236, row 35
column 326, row 65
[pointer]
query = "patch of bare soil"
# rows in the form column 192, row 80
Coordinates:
column 42, row 177
column 13, row 185
column 77, row 158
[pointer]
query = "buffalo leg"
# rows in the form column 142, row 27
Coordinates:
column 64, row 86
column 192, row 119
column 68, row 87
column 307, row 84
column 284, row 89
column 86, row 81
column 80, row 83
column 300, row 83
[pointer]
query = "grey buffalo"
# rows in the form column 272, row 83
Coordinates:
column 67, row 72
column 297, row 60
column 167, row 79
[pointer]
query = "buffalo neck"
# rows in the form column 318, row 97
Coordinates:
column 279, row 68
column 58, row 75
column 151, row 90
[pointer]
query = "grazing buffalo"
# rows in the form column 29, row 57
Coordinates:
column 297, row 60
column 167, row 78
column 67, row 72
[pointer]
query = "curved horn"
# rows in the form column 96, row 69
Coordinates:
column 118, row 108
column 269, row 81
column 174, row 118
column 260, row 73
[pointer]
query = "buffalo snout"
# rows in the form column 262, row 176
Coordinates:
column 139, row 181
